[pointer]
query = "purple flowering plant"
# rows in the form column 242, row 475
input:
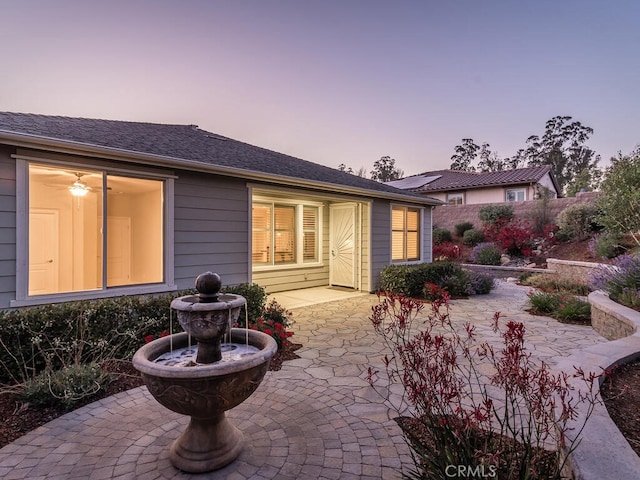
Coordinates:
column 621, row 280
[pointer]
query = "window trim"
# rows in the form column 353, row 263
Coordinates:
column 420, row 232
column 22, row 236
column 518, row 189
column 455, row 194
column 299, row 233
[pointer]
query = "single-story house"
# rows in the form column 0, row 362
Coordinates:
column 97, row 208
column 457, row 187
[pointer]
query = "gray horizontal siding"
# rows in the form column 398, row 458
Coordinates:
column 211, row 229
column 427, row 231
column 380, row 239
column 283, row 280
column 7, row 227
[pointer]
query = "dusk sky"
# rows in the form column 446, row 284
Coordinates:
column 334, row 81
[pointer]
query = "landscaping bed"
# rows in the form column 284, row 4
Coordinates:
column 19, row 418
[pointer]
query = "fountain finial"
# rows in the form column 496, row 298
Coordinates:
column 208, row 285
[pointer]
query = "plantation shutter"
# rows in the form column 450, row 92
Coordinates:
column 310, row 234
column 261, row 234
column 397, row 234
column 413, row 234
column 285, row 235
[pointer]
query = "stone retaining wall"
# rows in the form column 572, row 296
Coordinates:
column 448, row 216
column 571, row 270
column 610, row 319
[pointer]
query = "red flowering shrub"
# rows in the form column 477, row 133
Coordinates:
column 151, row 338
column 513, row 235
column 502, row 417
column 446, row 251
column 274, row 321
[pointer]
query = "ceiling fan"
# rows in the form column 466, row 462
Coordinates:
column 78, row 189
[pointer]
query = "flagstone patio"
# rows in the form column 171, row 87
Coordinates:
column 317, row 418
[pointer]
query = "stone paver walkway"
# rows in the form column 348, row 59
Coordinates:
column 317, row 418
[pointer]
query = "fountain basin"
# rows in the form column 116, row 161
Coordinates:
column 205, row 392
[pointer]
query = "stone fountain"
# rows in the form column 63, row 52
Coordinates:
column 207, row 379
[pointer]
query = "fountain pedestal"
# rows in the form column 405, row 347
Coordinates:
column 206, row 445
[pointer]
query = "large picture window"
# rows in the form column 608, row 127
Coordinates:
column 284, row 234
column 91, row 230
column 405, row 234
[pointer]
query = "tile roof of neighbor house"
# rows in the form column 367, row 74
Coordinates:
column 445, row 180
column 183, row 145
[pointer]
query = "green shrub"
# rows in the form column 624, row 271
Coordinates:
column 461, row 228
column 562, row 307
column 491, row 214
column 619, row 202
column 472, row 237
column 410, row 280
column 68, row 387
column 441, row 235
column 573, row 310
column 577, row 220
column 256, row 297
column 606, row 245
column 543, row 303
column 73, row 333
column 51, row 337
column 402, row 280
column 486, row 253
column 456, row 284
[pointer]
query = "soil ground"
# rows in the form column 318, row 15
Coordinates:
column 621, row 395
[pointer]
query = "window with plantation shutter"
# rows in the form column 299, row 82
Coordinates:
column 405, row 234
column 285, row 233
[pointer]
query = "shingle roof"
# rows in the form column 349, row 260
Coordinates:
column 445, row 180
column 185, row 143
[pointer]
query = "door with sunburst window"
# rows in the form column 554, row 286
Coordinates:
column 343, row 245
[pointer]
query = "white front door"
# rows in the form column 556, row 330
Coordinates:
column 343, row 245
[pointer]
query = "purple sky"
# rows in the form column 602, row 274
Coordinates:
column 334, row 81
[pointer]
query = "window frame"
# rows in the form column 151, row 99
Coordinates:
column 516, row 190
column 22, row 234
column 459, row 195
column 298, row 233
column 419, row 232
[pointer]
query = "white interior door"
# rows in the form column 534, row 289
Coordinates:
column 43, row 251
column 342, row 245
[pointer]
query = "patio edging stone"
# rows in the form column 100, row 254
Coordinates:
column 604, row 452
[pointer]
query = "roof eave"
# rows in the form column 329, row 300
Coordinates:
column 79, row 148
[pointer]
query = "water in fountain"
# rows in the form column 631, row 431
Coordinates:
column 186, row 357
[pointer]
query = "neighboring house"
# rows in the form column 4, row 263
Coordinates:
column 98, row 208
column 456, row 187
